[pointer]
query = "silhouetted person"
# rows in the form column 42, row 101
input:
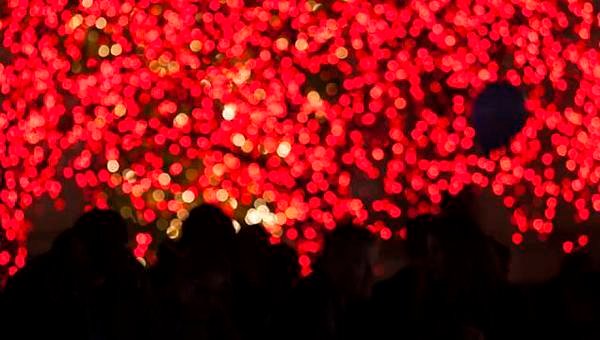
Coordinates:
column 453, row 286
column 118, row 301
column 193, row 278
column 580, row 300
column 465, row 286
column 398, row 302
column 283, row 276
column 88, row 286
column 49, row 286
column 332, row 302
column 283, row 272
column 251, row 287
column 207, row 225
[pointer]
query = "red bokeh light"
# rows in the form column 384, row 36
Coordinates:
column 291, row 113
column 582, row 240
column 517, row 238
column 567, row 247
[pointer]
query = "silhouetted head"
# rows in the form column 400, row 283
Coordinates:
column 103, row 236
column 284, row 269
column 253, row 236
column 347, row 260
column 498, row 114
column 63, row 242
column 208, row 226
column 102, row 228
column 458, row 251
column 252, row 248
column 416, row 236
column 205, row 273
column 461, row 204
column 70, row 249
column 501, row 255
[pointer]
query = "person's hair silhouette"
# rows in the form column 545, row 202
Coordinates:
column 347, row 260
column 103, row 234
column 208, row 226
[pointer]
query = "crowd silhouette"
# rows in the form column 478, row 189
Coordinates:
column 215, row 284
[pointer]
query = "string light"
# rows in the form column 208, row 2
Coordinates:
column 284, row 149
column 116, row 50
column 103, row 51
column 112, row 166
column 229, row 111
column 101, row 23
column 188, row 196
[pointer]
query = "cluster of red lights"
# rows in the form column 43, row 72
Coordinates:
column 292, row 114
